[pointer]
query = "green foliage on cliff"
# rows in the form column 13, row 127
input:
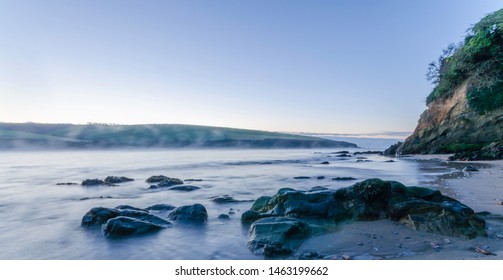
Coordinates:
column 477, row 60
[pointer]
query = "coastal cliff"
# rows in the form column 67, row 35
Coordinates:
column 451, row 126
column 465, row 108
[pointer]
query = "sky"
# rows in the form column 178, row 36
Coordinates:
column 347, row 67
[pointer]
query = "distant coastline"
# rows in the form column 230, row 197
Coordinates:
column 14, row 136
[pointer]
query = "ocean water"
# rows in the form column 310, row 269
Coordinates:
column 41, row 220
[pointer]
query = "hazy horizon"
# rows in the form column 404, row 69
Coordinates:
column 345, row 68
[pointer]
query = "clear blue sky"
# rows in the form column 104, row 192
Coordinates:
column 311, row 66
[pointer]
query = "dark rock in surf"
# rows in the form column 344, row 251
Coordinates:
column 99, row 216
column 343, row 178
column 128, row 207
column 226, row 199
column 117, row 180
column 325, row 162
column 224, row 217
column 127, row 226
column 156, row 179
column 470, row 168
column 66, row 184
column 93, row 182
column 343, row 155
column 302, row 177
column 193, row 180
column 167, row 182
column 184, row 188
column 160, row 207
column 195, row 214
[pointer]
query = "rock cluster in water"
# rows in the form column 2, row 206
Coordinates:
column 126, row 220
column 109, row 181
column 281, row 222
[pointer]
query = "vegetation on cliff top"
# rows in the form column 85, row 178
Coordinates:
column 478, row 60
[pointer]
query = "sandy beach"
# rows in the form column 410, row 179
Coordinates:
column 383, row 239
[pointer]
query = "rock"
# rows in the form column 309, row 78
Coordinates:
column 165, row 183
column 185, row 188
column 66, row 184
column 421, row 209
column 224, row 217
column 98, row 216
column 126, row 226
column 302, row 178
column 392, row 150
column 156, row 179
column 390, row 160
column 251, row 216
column 160, row 207
column 191, row 214
column 341, row 152
column 145, row 217
column 127, row 207
column 193, row 180
column 117, row 180
column 318, row 188
column 368, row 153
column 363, row 160
column 170, row 182
column 320, row 177
column 93, row 182
column 469, row 168
column 225, row 199
column 325, row 162
column 277, row 236
column 343, row 178
column 343, row 155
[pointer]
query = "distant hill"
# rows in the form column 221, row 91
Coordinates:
column 62, row 136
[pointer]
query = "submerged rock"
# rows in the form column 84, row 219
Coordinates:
column 226, row 199
column 166, row 182
column 302, row 177
column 170, row 182
column 224, row 217
column 93, row 182
column 192, row 214
column 66, row 184
column 469, row 168
column 185, row 188
column 343, row 178
column 156, row 179
column 160, row 207
column 421, row 209
column 117, row 180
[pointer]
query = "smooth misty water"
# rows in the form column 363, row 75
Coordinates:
column 40, row 220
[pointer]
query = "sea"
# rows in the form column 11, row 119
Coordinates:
column 40, row 219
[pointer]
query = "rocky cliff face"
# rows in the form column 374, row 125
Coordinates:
column 450, row 126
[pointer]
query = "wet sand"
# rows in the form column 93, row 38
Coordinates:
column 384, row 239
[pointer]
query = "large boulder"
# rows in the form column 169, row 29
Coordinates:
column 277, row 236
column 419, row 208
column 195, row 214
